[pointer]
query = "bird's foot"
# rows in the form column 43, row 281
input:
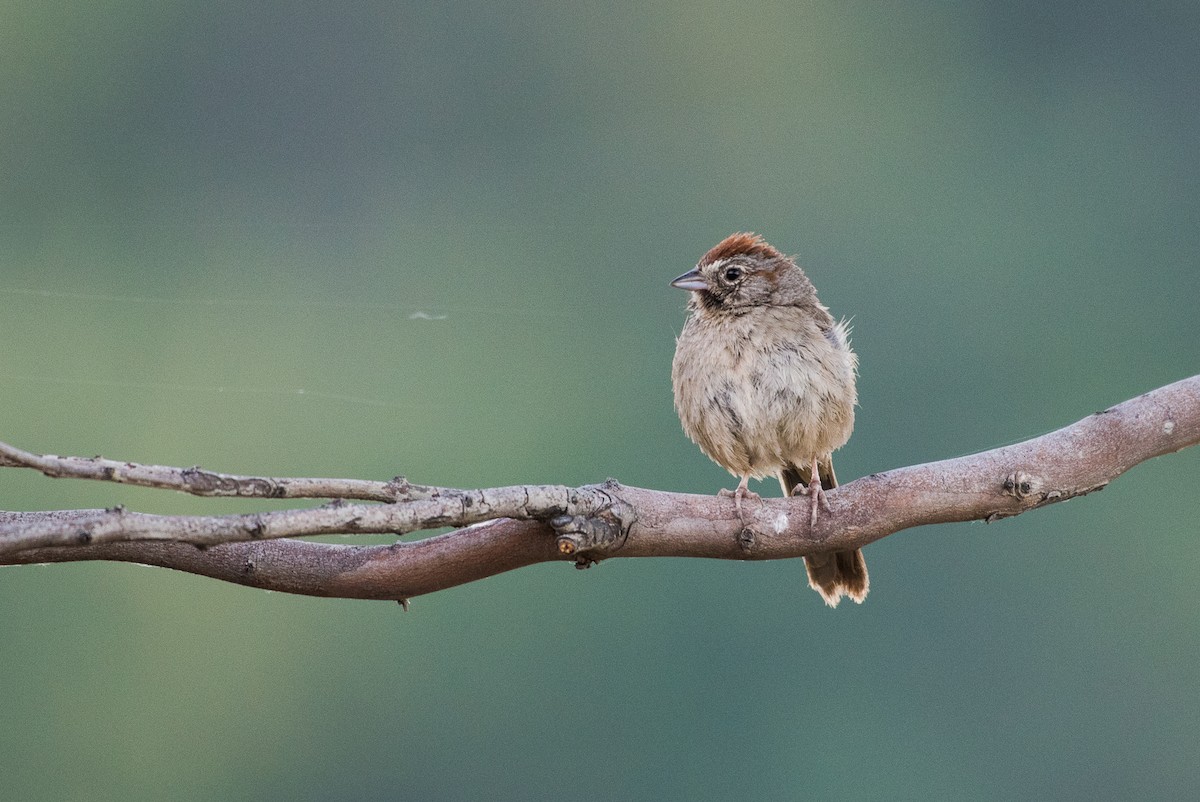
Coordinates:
column 816, row 495
column 741, row 492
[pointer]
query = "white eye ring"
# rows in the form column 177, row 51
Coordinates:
column 732, row 274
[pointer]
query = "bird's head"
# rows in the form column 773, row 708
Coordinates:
column 744, row 271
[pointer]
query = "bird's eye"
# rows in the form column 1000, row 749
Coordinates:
column 733, row 274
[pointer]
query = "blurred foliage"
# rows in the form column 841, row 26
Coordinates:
column 366, row 238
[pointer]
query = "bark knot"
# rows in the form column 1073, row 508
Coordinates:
column 595, row 531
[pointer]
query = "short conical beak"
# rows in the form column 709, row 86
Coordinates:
column 691, row 280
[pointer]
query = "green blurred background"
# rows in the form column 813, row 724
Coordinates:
column 363, row 239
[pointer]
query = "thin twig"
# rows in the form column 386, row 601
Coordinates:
column 199, row 482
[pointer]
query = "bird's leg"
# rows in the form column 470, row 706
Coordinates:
column 816, row 495
column 743, row 491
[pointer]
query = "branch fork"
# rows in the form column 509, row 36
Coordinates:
column 589, row 538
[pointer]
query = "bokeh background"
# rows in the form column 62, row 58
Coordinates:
column 370, row 238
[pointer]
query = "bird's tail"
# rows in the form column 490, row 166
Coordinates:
column 833, row 574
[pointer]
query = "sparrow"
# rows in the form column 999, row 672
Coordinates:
column 764, row 383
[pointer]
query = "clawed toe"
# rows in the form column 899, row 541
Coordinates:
column 739, row 493
column 816, row 495
column 725, row 492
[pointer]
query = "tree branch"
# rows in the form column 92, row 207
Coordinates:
column 501, row 529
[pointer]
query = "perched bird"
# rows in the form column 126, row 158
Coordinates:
column 764, row 384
